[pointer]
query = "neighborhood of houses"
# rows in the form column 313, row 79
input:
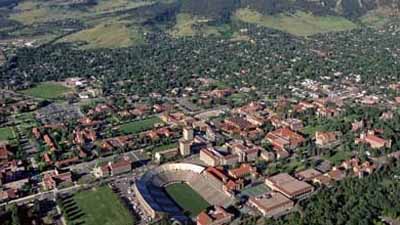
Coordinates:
column 262, row 156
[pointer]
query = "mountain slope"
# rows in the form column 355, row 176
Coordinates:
column 133, row 18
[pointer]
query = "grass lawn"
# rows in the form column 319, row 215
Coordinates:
column 310, row 130
column 140, row 125
column 185, row 26
column 187, row 198
column 293, row 165
column 164, row 147
column 299, row 23
column 238, row 98
column 103, row 6
column 6, row 133
column 47, row 91
column 375, row 19
column 102, row 206
column 106, row 28
column 287, row 166
column 32, row 11
column 339, row 156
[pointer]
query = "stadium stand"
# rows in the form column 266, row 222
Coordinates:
column 150, row 189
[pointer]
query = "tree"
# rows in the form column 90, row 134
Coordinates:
column 14, row 215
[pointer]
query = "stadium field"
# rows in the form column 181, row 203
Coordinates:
column 187, row 198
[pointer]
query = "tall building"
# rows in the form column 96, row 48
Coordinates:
column 184, row 147
column 188, row 133
column 185, row 143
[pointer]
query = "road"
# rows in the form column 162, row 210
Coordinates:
column 86, row 167
column 43, row 195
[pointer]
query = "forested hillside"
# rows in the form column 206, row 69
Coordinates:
column 91, row 22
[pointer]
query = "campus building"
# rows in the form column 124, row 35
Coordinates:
column 289, row 186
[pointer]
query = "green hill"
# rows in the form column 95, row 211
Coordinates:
column 91, row 23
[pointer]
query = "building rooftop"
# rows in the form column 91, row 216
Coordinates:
column 308, row 174
column 288, row 185
column 216, row 216
column 270, row 201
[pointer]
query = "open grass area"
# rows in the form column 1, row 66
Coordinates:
column 310, row 130
column 139, row 125
column 107, row 35
column 186, row 23
column 102, row 206
column 30, row 12
column 287, row 166
column 238, row 98
column 47, row 91
column 300, row 23
column 103, row 6
column 375, row 19
column 105, row 28
column 187, row 198
column 339, row 157
column 7, row 133
column 164, row 147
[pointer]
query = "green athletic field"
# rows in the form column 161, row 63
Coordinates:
column 140, row 125
column 187, row 198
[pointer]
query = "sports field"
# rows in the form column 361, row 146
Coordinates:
column 187, row 198
column 47, row 91
column 6, row 133
column 140, row 125
column 255, row 191
column 102, row 206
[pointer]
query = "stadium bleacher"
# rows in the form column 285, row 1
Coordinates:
column 154, row 197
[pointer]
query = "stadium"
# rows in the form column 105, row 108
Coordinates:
column 152, row 190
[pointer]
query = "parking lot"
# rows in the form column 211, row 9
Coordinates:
column 123, row 185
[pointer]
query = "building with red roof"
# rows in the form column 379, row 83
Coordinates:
column 5, row 153
column 374, row 141
column 50, row 179
column 323, row 139
column 242, row 171
column 215, row 216
column 285, row 138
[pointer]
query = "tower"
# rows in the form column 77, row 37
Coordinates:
column 188, row 133
column 186, row 142
column 184, row 147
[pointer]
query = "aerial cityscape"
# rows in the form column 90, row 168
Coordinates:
column 204, row 112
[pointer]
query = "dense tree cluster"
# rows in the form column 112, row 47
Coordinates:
column 271, row 61
column 352, row 201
